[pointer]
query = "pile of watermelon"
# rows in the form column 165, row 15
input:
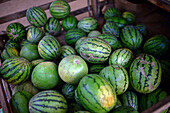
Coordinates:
column 112, row 69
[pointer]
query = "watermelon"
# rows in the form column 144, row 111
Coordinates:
column 36, row 16
column 148, row 100
column 96, row 94
column 111, row 12
column 74, row 69
column 45, row 75
column 49, row 48
column 52, row 26
column 129, row 16
column 94, row 33
column 87, row 24
column 67, row 50
column 48, row 101
column 119, row 21
column 110, row 28
column 35, row 34
column 130, row 37
column 111, row 39
column 78, row 43
column 19, row 102
column 95, row 50
column 70, row 22
column 16, row 31
column 30, row 52
column 68, row 91
column 129, row 98
column 12, row 44
column 122, row 56
column 36, row 62
column 73, row 35
column 26, row 86
column 145, row 73
column 117, row 76
column 125, row 109
column 15, row 70
column 59, row 9
column 96, row 68
column 9, row 52
column 156, row 45
column 141, row 28
column 25, row 42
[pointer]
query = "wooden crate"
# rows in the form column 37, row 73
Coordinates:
column 79, row 8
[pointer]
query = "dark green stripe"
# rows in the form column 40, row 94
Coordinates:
column 37, row 110
column 47, row 106
column 49, row 100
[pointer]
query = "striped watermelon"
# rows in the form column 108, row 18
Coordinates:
column 78, row 43
column 129, row 98
column 30, row 52
column 26, row 86
column 36, row 16
column 94, row 33
column 119, row 21
column 87, row 24
column 19, row 102
column 70, row 22
column 156, row 45
column 111, row 12
column 35, row 34
column 73, row 35
column 122, row 56
column 36, row 62
column 141, row 28
column 148, row 100
column 15, row 70
column 68, row 91
column 45, row 75
column 145, row 73
column 52, row 26
column 9, row 52
column 96, row 94
column 129, row 16
column 67, row 50
column 59, row 9
column 111, row 39
column 117, row 76
column 130, row 37
column 125, row 109
column 12, row 44
column 96, row 68
column 111, row 28
column 95, row 50
column 49, row 101
column 74, row 69
column 24, row 42
column 16, row 31
column 49, row 48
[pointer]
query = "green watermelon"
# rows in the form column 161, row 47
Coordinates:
column 12, row 44
column 9, row 52
column 145, row 73
column 122, row 56
column 117, row 76
column 94, row 33
column 156, row 45
column 35, row 34
column 110, row 28
column 74, row 69
column 16, row 31
column 111, row 12
column 36, row 16
column 130, row 37
column 96, row 94
column 68, row 91
column 67, row 50
column 30, row 52
column 59, row 9
column 70, row 22
column 87, row 24
column 73, row 35
column 49, row 48
column 129, row 16
column 125, row 109
column 45, row 75
column 52, row 26
column 15, row 70
column 95, row 50
column 111, row 39
column 48, row 101
column 78, row 43
column 119, row 21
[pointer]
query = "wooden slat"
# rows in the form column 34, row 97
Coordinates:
column 160, row 4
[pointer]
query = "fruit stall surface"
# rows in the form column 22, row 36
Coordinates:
column 82, row 56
